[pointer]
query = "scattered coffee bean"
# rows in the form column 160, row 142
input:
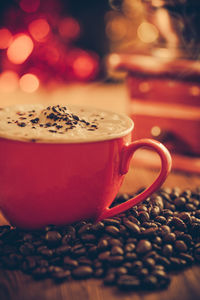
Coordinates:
column 143, row 247
column 53, row 238
column 82, row 272
column 134, row 250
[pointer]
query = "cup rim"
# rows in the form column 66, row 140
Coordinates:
column 130, row 126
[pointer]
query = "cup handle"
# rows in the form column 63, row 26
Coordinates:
column 126, row 155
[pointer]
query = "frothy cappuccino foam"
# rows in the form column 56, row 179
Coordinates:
column 57, row 123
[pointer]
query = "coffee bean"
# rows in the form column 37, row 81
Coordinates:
column 137, row 248
column 110, row 278
column 180, row 246
column 162, row 277
column 161, row 219
column 53, row 238
column 149, row 263
column 185, row 217
column 116, row 250
column 187, row 257
column 103, row 244
column 155, row 211
column 180, row 202
column 190, row 207
column 177, row 223
column 132, row 219
column 175, row 263
column 163, row 261
column 143, row 246
column 111, row 222
column 27, row 249
column 150, row 232
column 61, row 275
column 29, row 264
column 129, row 247
column 197, row 254
column 127, row 282
column 84, row 261
column 104, row 256
column 88, row 237
column 70, row 263
column 99, row 273
column 85, row 228
column 150, row 282
column 42, row 263
column 157, row 240
column 82, row 272
column 134, row 228
column 169, row 237
column 167, row 213
column 113, row 230
column 46, row 252
column 143, row 216
column 114, row 242
column 130, row 256
column 167, row 250
column 98, row 227
column 63, row 249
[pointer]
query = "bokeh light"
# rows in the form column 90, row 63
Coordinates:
column 20, row 49
column 29, row 6
column 39, row 29
column 147, row 32
column 5, row 38
column 194, row 90
column 116, row 28
column 29, row 83
column 69, row 28
column 85, row 66
column 8, row 81
column 155, row 131
column 144, row 87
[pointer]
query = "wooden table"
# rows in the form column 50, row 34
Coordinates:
column 185, row 285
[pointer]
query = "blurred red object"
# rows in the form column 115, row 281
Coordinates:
column 164, row 99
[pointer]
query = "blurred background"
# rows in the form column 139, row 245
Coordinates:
column 47, row 46
column 53, row 42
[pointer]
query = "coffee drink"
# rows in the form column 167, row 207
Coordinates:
column 56, row 123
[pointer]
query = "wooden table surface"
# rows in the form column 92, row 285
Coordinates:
column 185, row 285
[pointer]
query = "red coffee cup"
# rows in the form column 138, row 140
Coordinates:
column 61, row 183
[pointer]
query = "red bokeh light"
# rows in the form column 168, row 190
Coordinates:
column 39, row 29
column 5, row 38
column 20, row 48
column 69, row 28
column 84, row 65
column 8, row 81
column 29, row 83
column 29, row 6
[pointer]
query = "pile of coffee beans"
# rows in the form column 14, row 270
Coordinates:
column 137, row 249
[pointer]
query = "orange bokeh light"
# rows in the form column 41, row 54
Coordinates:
column 29, row 6
column 39, row 29
column 5, row 38
column 69, row 28
column 84, row 67
column 29, row 83
column 20, row 49
column 8, row 81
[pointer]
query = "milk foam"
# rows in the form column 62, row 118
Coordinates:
column 63, row 124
